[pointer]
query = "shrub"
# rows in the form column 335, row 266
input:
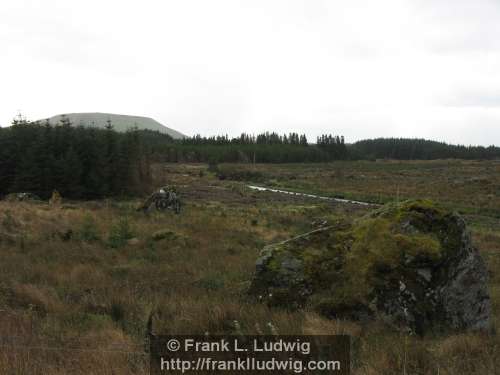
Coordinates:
column 238, row 173
column 163, row 234
column 213, row 166
column 88, row 231
column 119, row 234
column 8, row 220
column 210, row 283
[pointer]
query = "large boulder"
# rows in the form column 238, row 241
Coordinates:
column 412, row 264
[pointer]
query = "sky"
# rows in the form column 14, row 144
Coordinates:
column 358, row 68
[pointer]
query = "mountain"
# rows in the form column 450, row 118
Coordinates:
column 120, row 123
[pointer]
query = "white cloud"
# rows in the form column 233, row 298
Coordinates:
column 360, row 68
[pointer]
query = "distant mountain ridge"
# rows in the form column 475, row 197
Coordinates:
column 120, row 123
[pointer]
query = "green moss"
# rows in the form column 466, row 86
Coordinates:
column 381, row 253
column 419, row 246
column 353, row 264
column 274, row 264
column 426, row 217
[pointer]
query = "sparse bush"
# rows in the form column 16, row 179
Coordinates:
column 211, row 282
column 119, row 234
column 163, row 234
column 129, row 314
column 233, row 251
column 213, row 166
column 88, row 231
column 8, row 220
column 272, row 182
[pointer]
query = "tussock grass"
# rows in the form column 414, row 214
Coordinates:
column 73, row 279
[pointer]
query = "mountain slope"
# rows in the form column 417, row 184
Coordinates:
column 120, row 122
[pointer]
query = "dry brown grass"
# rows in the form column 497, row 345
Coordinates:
column 472, row 186
column 63, row 286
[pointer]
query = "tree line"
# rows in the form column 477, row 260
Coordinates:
column 78, row 162
column 266, row 138
column 418, row 149
column 273, row 148
column 83, row 162
column 268, row 147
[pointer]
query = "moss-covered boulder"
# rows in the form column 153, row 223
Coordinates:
column 412, row 264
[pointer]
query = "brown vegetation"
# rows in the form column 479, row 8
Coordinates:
column 78, row 283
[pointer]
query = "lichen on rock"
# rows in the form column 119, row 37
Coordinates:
column 411, row 263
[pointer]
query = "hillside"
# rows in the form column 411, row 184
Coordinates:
column 120, row 122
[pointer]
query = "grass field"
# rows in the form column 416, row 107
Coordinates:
column 78, row 282
column 469, row 186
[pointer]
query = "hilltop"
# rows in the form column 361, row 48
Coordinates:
column 120, row 122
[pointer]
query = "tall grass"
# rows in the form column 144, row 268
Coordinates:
column 81, row 305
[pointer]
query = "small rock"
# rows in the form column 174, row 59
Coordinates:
column 425, row 273
column 318, row 223
column 133, row 241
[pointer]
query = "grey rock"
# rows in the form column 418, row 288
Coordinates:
column 134, row 241
column 428, row 278
column 425, row 273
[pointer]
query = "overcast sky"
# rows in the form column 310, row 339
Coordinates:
column 361, row 68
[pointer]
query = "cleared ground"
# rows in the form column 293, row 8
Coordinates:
column 469, row 186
